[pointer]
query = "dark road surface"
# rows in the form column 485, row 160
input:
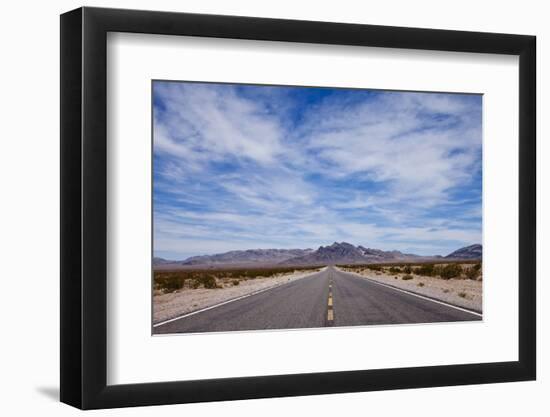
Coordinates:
column 327, row 298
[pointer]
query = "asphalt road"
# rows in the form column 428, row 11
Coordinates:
column 327, row 298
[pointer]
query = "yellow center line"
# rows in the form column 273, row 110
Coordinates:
column 330, row 310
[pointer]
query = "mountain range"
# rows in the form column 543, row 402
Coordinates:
column 337, row 253
column 248, row 256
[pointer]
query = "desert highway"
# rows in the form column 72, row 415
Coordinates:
column 327, row 298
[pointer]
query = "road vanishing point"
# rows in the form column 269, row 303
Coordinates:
column 327, row 298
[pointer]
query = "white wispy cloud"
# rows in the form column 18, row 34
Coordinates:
column 241, row 167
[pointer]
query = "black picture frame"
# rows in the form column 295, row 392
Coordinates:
column 84, row 207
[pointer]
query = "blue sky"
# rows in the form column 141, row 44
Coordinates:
column 242, row 166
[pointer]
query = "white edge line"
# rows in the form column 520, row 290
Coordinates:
column 225, row 302
column 414, row 294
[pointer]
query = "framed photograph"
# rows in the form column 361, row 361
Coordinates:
column 257, row 208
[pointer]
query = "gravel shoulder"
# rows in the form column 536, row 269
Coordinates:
column 460, row 292
column 168, row 306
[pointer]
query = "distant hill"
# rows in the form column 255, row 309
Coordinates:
column 161, row 261
column 467, row 252
column 251, row 256
column 335, row 253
